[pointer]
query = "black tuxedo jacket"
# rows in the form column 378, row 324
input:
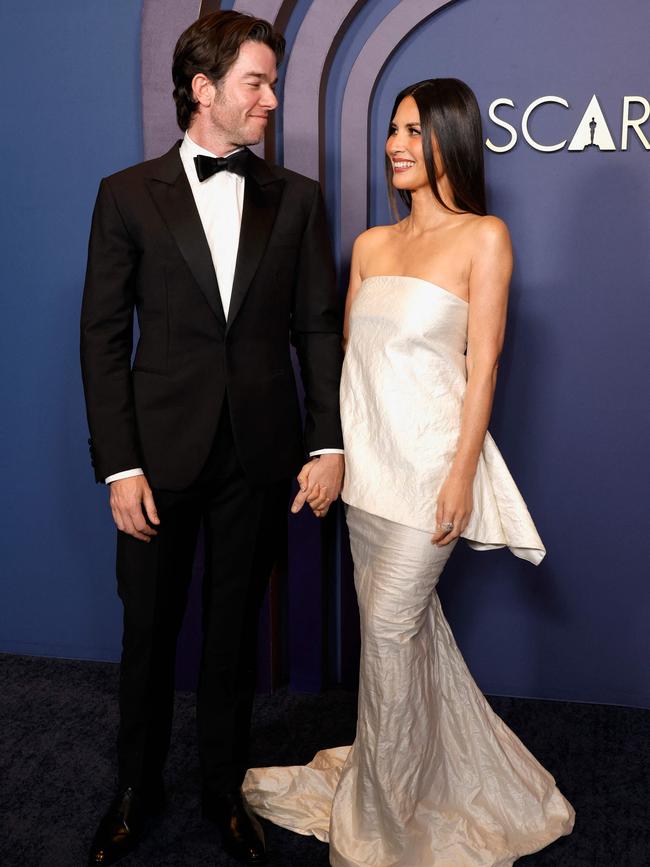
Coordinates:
column 148, row 253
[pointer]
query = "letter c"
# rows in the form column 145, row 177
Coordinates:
column 524, row 123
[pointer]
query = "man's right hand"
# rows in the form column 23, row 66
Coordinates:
column 132, row 499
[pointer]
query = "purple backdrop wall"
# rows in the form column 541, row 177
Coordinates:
column 570, row 418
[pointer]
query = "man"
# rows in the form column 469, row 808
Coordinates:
column 226, row 260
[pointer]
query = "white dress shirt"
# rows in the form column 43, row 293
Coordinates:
column 219, row 201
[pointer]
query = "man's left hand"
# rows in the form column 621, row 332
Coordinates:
column 320, row 483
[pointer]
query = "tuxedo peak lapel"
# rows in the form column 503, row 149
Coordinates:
column 172, row 194
column 261, row 201
column 167, row 167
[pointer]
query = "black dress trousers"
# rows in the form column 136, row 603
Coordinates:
column 245, row 526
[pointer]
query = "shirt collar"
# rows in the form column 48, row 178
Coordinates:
column 190, row 147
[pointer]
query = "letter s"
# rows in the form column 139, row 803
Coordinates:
column 500, row 149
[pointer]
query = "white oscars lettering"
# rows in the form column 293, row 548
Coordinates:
column 501, row 149
column 634, row 123
column 524, row 123
column 593, row 130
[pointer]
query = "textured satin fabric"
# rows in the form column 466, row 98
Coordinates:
column 402, row 391
column 434, row 777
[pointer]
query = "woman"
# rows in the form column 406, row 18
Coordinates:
column 434, row 777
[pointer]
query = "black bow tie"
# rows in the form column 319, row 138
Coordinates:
column 208, row 166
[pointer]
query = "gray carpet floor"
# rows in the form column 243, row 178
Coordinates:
column 58, row 721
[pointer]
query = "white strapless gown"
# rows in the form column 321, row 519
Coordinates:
column 434, row 777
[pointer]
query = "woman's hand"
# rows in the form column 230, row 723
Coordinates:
column 454, row 509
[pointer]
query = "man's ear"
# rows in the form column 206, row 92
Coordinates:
column 202, row 90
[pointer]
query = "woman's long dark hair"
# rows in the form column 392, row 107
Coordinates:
column 449, row 111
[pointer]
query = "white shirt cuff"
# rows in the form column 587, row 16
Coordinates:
column 326, row 452
column 125, row 474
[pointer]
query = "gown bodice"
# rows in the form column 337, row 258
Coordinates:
column 402, row 390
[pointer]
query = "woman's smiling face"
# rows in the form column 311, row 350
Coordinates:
column 404, row 148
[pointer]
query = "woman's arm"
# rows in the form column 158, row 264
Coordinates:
column 491, row 269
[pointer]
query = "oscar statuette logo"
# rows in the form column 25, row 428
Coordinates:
column 592, row 131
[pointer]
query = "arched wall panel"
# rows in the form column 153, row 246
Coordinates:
column 302, row 84
column 267, row 9
column 356, row 105
column 162, row 23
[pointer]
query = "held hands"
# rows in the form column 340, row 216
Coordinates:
column 320, row 483
column 131, row 500
column 454, row 509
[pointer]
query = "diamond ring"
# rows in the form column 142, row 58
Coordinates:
column 448, row 526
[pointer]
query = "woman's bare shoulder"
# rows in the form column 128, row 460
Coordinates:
column 489, row 231
column 374, row 237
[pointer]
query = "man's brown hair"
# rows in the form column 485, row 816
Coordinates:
column 211, row 46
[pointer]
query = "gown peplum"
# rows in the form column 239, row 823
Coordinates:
column 434, row 777
column 402, row 393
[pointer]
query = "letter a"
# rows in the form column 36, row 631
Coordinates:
column 602, row 137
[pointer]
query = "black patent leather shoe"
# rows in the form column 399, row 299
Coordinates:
column 241, row 833
column 120, row 830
